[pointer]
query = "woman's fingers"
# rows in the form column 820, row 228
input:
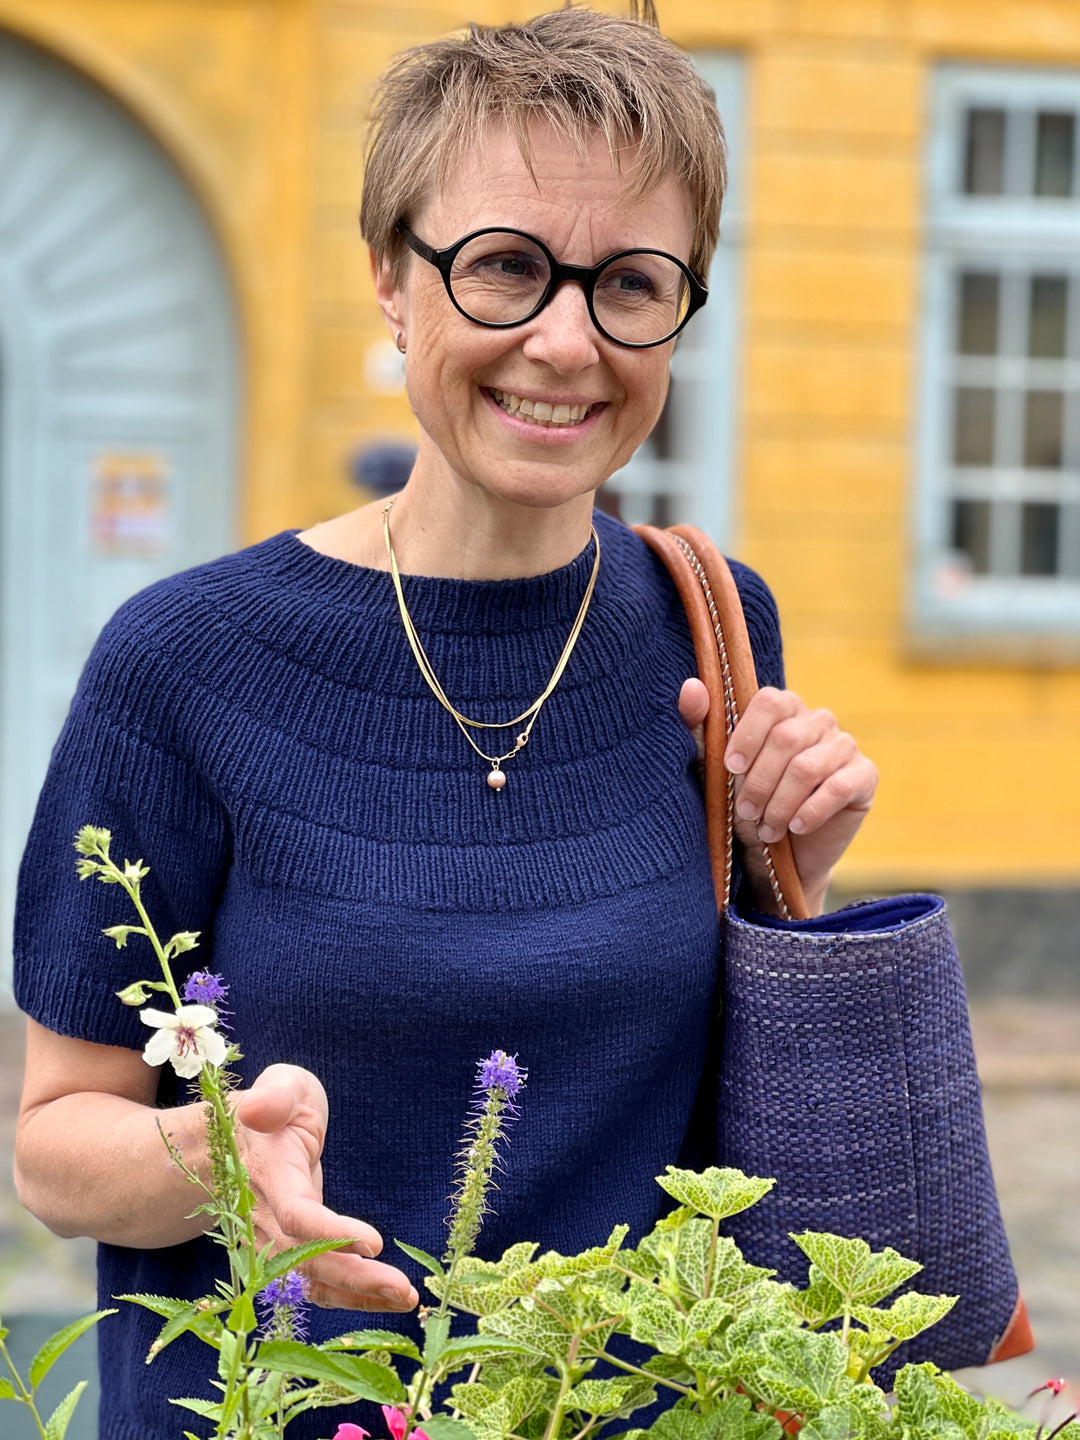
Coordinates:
column 283, row 1123
column 803, row 763
column 693, row 702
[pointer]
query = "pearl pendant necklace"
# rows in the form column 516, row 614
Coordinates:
column 496, row 777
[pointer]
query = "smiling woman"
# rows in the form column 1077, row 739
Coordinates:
column 296, row 738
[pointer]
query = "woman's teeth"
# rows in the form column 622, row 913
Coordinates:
column 540, row 412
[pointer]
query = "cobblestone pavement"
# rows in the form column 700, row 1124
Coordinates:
column 1029, row 1058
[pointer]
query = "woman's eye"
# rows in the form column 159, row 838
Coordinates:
column 506, row 267
column 631, row 283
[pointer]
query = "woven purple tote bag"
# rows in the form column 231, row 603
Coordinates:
column 846, row 1068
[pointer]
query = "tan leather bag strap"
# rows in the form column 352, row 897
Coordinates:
column 726, row 666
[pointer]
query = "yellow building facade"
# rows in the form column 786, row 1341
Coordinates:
column 260, row 106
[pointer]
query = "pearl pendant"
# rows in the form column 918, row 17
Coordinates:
column 496, row 779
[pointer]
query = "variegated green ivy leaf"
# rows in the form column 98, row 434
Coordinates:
column 615, row 1399
column 820, row 1302
column 804, row 1371
column 542, row 1332
column 654, row 1319
column 862, row 1416
column 714, row 1192
column 863, row 1276
column 734, row 1418
column 908, row 1316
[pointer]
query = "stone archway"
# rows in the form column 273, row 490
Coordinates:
column 119, row 397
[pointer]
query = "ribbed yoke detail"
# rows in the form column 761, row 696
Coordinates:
column 258, row 731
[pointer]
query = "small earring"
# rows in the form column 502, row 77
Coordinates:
column 399, row 341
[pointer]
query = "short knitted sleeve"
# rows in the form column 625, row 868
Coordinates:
column 763, row 624
column 123, row 761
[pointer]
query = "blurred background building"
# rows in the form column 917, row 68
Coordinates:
column 879, row 408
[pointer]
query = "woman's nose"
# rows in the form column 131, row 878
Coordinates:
column 563, row 335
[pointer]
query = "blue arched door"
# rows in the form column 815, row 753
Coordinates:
column 118, row 399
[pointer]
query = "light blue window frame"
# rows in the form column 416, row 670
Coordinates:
column 695, row 485
column 1015, row 235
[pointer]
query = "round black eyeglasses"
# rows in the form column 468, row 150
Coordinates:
column 502, row 278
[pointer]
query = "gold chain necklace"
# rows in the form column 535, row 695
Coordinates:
column 496, row 778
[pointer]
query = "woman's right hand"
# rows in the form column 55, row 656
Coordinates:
column 89, row 1161
column 283, row 1120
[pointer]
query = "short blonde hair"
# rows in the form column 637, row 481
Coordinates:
column 579, row 70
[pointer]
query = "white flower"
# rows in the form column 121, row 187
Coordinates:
column 187, row 1038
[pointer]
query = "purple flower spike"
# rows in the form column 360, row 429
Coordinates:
column 501, row 1072
column 285, row 1316
column 202, row 988
column 287, row 1290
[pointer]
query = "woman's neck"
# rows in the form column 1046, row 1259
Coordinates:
column 458, row 533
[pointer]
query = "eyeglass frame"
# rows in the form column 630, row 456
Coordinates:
column 584, row 275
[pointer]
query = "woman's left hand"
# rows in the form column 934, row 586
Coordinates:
column 796, row 772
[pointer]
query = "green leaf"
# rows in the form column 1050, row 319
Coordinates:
column 444, row 1427
column 908, row 1316
column 654, row 1320
column 374, row 1340
column 685, row 1425
column 804, row 1370
column 364, row 1378
column 197, row 1319
column 211, row 1409
column 8, row 1391
column 615, row 1399
column 242, row 1315
column 436, row 1332
column 538, row 1330
column 57, row 1423
column 861, row 1275
column 295, row 1256
column 422, row 1258
column 166, row 1307
column 467, row 1348
column 56, row 1344
column 820, row 1302
column 714, row 1192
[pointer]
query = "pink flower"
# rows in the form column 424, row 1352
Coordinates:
column 348, row 1431
column 396, row 1420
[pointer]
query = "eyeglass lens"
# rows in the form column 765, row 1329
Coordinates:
column 500, row 278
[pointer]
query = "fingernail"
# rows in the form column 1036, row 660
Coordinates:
column 746, row 809
column 797, row 825
column 768, row 834
column 393, row 1295
column 735, row 764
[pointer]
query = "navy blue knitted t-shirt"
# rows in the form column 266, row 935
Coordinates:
column 258, row 732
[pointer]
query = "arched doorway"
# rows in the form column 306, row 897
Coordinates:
column 119, row 408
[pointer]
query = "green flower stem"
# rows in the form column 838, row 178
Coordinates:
column 647, row 1375
column 711, row 1260
column 133, row 889
column 25, row 1396
column 565, row 1385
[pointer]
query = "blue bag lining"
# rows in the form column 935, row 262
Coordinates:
column 867, row 916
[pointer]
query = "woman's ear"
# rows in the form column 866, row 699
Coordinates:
column 386, row 292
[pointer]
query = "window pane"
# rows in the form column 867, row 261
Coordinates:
column 979, row 297
column 973, row 438
column 1054, row 155
column 1049, row 307
column 1039, row 540
column 984, row 164
column 1043, row 413
column 971, row 533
